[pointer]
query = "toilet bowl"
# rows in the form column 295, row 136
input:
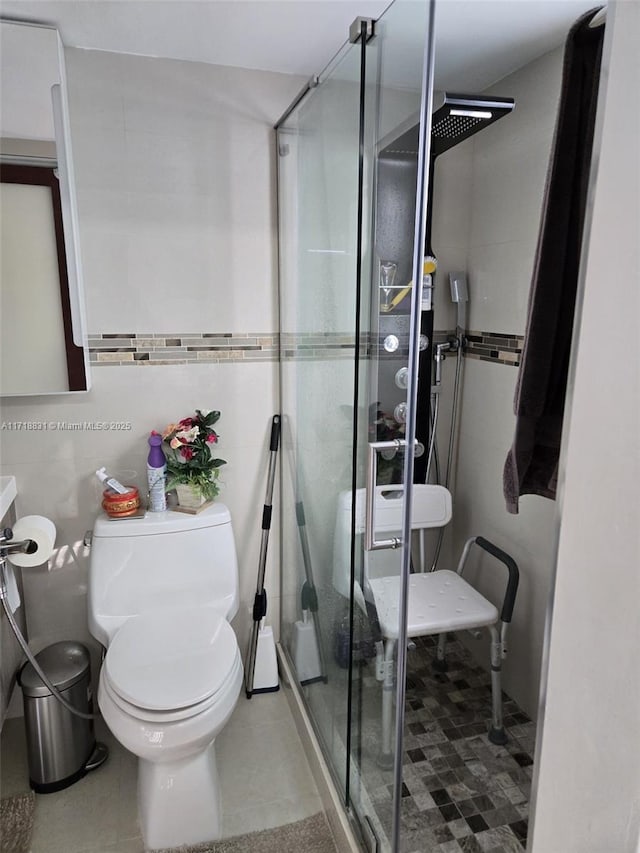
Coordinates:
column 168, row 685
column 162, row 591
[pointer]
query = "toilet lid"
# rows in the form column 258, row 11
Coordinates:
column 172, row 659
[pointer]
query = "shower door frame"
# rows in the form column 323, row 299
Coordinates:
column 365, row 277
column 413, row 408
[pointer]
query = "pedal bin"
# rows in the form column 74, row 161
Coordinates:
column 59, row 743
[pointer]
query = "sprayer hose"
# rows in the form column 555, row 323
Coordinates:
column 34, row 663
column 452, row 434
column 454, row 412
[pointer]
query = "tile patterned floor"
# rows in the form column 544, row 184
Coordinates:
column 460, row 791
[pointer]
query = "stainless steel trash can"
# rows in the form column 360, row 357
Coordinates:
column 59, row 743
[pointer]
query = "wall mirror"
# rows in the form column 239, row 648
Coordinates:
column 42, row 330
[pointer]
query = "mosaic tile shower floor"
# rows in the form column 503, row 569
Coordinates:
column 461, row 793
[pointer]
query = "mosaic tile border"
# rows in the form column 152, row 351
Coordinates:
column 147, row 349
column 308, row 346
column 500, row 347
column 137, row 348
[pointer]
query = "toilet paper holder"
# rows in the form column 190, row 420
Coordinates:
column 35, row 542
column 20, row 546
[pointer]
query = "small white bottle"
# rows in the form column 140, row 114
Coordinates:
column 111, row 482
column 156, row 474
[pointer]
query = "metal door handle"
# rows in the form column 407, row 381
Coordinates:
column 370, row 541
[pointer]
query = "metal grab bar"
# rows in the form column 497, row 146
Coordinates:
column 370, row 541
column 514, row 575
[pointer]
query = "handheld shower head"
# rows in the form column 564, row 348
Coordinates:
column 459, row 289
column 460, row 295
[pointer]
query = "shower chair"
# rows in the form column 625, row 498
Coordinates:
column 438, row 602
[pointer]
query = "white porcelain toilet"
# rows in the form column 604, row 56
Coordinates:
column 162, row 590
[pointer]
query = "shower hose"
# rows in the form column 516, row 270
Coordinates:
column 433, row 445
column 30, row 657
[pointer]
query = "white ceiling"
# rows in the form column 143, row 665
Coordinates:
column 477, row 41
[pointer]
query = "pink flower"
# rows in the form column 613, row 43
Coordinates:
column 187, row 453
column 186, row 423
column 211, row 439
column 175, row 443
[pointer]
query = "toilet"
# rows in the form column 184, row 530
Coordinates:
column 162, row 591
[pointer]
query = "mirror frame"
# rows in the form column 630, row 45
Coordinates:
column 45, row 176
column 72, row 301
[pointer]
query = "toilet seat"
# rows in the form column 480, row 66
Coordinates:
column 171, row 666
column 159, row 718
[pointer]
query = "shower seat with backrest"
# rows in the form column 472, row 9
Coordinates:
column 439, row 602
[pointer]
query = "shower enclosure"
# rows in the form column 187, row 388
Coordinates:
column 354, row 314
column 356, row 154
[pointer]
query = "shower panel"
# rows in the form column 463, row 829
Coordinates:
column 456, row 118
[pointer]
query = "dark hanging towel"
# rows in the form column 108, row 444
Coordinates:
column 531, row 467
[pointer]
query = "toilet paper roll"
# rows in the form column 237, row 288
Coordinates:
column 42, row 531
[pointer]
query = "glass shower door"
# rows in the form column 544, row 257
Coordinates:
column 351, row 248
column 397, row 101
column 319, row 187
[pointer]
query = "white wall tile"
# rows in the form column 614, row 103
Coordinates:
column 529, row 537
column 96, row 89
column 452, row 185
column 501, row 186
column 99, row 157
column 508, row 184
column 499, row 281
column 185, row 153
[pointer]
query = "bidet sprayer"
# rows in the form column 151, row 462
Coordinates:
column 439, row 358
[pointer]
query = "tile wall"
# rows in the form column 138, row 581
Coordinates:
column 176, row 195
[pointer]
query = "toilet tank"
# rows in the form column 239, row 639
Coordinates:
column 161, row 562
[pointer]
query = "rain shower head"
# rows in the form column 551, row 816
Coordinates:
column 456, row 118
column 460, row 116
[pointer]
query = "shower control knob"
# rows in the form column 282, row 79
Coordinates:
column 400, row 413
column 391, row 343
column 402, row 377
column 423, row 343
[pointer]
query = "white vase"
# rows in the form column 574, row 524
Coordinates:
column 188, row 496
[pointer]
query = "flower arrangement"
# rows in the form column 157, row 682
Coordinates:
column 189, row 457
